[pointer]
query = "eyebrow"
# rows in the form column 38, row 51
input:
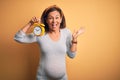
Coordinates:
column 51, row 16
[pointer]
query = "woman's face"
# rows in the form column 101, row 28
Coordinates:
column 54, row 20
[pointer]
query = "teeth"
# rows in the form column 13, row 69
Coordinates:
column 54, row 25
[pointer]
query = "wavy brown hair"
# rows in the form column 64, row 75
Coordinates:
column 51, row 9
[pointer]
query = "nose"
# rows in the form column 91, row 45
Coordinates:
column 54, row 20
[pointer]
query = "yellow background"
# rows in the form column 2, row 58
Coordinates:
column 98, row 55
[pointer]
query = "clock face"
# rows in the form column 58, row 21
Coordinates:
column 37, row 30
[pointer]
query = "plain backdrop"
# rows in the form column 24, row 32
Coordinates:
column 98, row 55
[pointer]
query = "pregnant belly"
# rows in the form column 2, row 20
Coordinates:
column 55, row 70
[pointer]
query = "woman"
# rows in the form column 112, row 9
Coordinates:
column 54, row 44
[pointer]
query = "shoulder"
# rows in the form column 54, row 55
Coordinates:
column 66, row 31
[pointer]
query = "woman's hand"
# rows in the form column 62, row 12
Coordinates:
column 77, row 33
column 34, row 20
column 74, row 38
column 30, row 23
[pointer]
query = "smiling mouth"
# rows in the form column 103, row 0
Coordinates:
column 54, row 25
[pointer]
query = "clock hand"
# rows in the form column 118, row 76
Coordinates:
column 37, row 29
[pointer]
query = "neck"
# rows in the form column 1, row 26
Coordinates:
column 54, row 31
column 54, row 35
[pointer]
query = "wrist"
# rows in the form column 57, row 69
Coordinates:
column 74, row 39
column 74, row 42
column 30, row 23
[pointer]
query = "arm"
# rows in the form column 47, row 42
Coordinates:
column 30, row 23
column 71, row 52
column 21, row 35
column 72, row 42
column 74, row 38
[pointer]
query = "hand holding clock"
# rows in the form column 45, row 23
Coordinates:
column 30, row 23
column 34, row 20
column 38, row 27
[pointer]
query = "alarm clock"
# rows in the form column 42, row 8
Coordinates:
column 38, row 29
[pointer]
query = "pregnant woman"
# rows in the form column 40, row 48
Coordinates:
column 54, row 44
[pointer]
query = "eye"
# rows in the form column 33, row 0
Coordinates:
column 57, row 17
column 49, row 18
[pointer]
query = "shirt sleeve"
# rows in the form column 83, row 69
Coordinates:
column 70, row 53
column 22, row 37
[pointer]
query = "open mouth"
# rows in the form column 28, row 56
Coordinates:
column 54, row 25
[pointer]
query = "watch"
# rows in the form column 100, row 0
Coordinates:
column 39, row 29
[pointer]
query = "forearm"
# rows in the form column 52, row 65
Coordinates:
column 74, row 39
column 26, row 27
column 22, row 37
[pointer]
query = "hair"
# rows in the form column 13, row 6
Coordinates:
column 51, row 9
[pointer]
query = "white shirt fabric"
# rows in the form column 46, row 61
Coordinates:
column 52, row 64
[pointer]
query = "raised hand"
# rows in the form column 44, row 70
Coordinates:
column 30, row 23
column 34, row 20
column 77, row 33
